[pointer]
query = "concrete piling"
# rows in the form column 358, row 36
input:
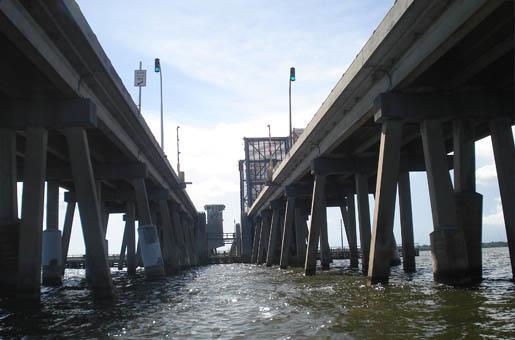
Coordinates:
column 318, row 221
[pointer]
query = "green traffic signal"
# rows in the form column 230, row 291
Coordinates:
column 292, row 74
column 157, row 65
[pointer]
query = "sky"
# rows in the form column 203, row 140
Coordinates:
column 225, row 67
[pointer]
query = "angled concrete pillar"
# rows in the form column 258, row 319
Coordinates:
column 150, row 248
column 266, row 220
column 364, row 219
column 275, row 233
column 170, row 254
column 255, row 242
column 301, row 235
column 448, row 245
column 67, row 226
column 348, row 211
column 469, row 204
column 52, row 243
column 84, row 183
column 29, row 245
column 504, row 154
column 318, row 223
column 386, row 190
column 408, row 243
column 288, row 225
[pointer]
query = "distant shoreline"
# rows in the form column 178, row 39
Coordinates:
column 497, row 244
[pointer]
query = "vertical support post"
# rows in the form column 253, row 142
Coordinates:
column 289, row 216
column 469, row 203
column 171, row 259
column 272, row 256
column 8, row 177
column 131, row 237
column 364, row 219
column 177, row 225
column 265, row 234
column 121, row 259
column 29, row 246
column 408, row 243
column 52, row 244
column 448, row 246
column 300, row 235
column 91, row 221
column 9, row 223
column 348, row 211
column 67, row 228
column 384, row 210
column 504, row 154
column 255, row 243
column 318, row 220
column 149, row 240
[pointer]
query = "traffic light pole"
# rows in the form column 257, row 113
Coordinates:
column 162, row 130
column 289, row 95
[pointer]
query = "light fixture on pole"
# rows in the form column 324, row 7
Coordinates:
column 292, row 78
column 157, row 69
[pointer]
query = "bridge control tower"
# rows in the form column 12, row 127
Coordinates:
column 215, row 225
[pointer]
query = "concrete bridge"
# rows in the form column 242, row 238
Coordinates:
column 434, row 77
column 68, row 121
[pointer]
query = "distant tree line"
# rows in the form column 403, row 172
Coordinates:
column 496, row 244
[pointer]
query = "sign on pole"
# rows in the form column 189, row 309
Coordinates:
column 140, row 78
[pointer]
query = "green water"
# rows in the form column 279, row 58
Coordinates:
column 248, row 301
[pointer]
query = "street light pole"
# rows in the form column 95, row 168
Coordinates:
column 292, row 78
column 178, row 153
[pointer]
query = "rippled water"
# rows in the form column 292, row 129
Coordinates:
column 248, row 301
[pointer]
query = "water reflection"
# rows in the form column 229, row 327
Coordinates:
column 242, row 301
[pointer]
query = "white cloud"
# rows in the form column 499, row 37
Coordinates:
column 486, row 175
column 496, row 218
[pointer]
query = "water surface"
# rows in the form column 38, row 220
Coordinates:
column 248, row 301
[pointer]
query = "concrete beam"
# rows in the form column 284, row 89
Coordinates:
column 411, row 107
column 48, row 113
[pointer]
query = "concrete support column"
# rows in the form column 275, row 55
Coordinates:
column 469, row 204
column 300, row 235
column 188, row 236
column 150, row 248
column 123, row 248
column 170, row 255
column 318, row 223
column 275, row 233
column 266, row 219
column 67, row 226
column 90, row 215
column 448, row 246
column 288, row 226
column 52, row 243
column 384, row 210
column 408, row 243
column 202, row 238
column 9, row 223
column 29, row 245
column 504, row 154
column 178, row 232
column 364, row 219
column 8, row 178
column 348, row 211
column 130, row 238
column 255, row 243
